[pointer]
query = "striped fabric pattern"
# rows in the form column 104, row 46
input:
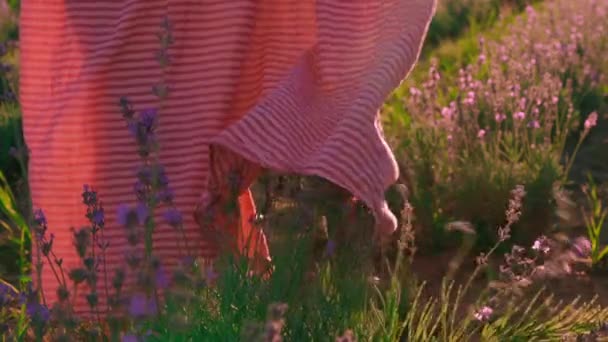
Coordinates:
column 290, row 85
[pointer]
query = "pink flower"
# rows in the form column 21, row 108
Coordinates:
column 484, row 314
column 446, row 112
column 541, row 245
column 591, row 121
column 415, row 92
column 582, row 247
column 470, row 99
column 519, row 115
column 500, row 117
column 481, row 133
column 534, row 124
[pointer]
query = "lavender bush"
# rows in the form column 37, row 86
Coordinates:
column 497, row 127
column 505, row 119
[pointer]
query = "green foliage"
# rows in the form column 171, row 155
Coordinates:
column 595, row 221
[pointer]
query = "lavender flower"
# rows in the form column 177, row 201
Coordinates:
column 122, row 214
column 142, row 306
column 519, row 116
column 37, row 312
column 98, row 217
column 591, row 121
column 582, row 247
column 500, row 117
column 541, row 245
column 39, row 217
column 173, row 217
column 484, row 314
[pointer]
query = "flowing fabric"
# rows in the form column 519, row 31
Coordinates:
column 289, row 85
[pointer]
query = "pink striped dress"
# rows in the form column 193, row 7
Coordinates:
column 289, row 85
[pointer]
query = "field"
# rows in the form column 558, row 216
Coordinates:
column 500, row 133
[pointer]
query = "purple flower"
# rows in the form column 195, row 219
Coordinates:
column 447, row 112
column 133, row 127
column 541, row 245
column 484, row 314
column 500, row 117
column 122, row 214
column 142, row 212
column 519, row 115
column 142, row 306
column 39, row 217
column 148, row 119
column 166, row 195
column 582, row 247
column 591, row 121
column 534, row 124
column 98, row 217
column 470, row 99
column 37, row 312
column 173, row 217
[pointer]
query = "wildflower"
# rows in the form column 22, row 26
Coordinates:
column 482, row 58
column 519, row 115
column 541, row 245
column 481, row 133
column 166, row 195
column 500, row 117
column 470, row 99
column 141, row 306
column 40, row 218
column 124, row 215
column 582, row 247
column 173, row 217
column 447, row 112
column 37, row 312
column 554, row 99
column 534, row 124
column 591, row 121
column 142, row 213
column 89, row 197
column 98, row 217
column 415, row 92
column 484, row 314
column 148, row 119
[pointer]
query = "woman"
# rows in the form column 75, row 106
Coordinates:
column 290, row 85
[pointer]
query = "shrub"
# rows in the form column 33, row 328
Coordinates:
column 469, row 137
